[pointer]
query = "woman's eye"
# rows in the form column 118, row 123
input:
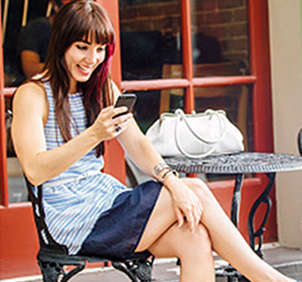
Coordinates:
column 81, row 47
column 101, row 49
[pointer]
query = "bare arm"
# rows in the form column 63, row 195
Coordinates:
column 31, row 63
column 141, row 151
column 30, row 110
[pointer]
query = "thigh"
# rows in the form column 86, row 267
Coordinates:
column 177, row 241
column 160, row 220
column 163, row 215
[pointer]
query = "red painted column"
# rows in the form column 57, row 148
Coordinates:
column 260, row 67
column 187, row 53
column 262, row 94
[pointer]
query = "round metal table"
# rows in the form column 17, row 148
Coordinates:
column 245, row 162
column 238, row 165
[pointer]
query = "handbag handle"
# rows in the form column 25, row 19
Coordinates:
column 182, row 117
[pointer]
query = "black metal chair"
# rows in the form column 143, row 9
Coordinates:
column 52, row 257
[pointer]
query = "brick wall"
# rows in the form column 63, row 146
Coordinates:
column 227, row 20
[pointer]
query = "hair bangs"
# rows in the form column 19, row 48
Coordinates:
column 94, row 26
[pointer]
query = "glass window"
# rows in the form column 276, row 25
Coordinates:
column 172, row 99
column 235, row 100
column 150, row 104
column 12, row 19
column 146, row 108
column 220, row 37
column 150, row 33
column 16, row 184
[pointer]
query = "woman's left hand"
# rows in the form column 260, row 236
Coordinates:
column 186, row 204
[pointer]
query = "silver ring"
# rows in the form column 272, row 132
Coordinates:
column 117, row 128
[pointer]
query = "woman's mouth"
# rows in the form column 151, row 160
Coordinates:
column 84, row 70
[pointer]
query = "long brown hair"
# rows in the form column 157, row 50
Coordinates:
column 79, row 20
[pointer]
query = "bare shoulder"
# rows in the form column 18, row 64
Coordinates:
column 30, row 92
column 30, row 97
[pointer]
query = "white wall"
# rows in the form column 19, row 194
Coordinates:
column 286, row 65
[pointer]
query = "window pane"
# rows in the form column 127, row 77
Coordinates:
column 150, row 104
column 220, row 41
column 16, row 184
column 150, row 37
column 235, row 100
column 172, row 99
column 146, row 108
column 17, row 190
column 12, row 27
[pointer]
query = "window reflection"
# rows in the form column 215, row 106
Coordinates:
column 150, row 104
column 146, row 108
column 150, row 37
column 171, row 99
column 12, row 24
column 235, row 100
column 220, row 35
column 16, row 184
column 205, row 49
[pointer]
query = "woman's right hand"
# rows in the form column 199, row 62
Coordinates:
column 106, row 126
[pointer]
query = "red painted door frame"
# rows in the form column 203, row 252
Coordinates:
column 18, row 241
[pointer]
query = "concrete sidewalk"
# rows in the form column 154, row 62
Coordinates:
column 288, row 261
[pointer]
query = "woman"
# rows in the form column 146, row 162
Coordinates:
column 69, row 114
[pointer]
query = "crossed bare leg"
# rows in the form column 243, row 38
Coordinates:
column 215, row 231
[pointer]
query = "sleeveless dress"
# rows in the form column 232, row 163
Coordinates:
column 88, row 211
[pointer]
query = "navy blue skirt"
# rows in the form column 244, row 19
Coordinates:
column 118, row 230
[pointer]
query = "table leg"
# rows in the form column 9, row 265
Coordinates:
column 228, row 271
column 263, row 198
column 236, row 199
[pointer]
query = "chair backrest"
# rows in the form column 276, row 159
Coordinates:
column 46, row 240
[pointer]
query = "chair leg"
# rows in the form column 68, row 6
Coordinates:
column 138, row 270
column 50, row 271
column 78, row 267
column 144, row 270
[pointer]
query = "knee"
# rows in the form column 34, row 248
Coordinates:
column 202, row 235
column 195, row 244
column 200, row 189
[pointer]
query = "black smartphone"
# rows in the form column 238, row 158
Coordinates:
column 127, row 100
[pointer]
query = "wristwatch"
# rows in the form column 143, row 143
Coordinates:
column 159, row 167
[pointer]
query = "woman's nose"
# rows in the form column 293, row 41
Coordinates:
column 92, row 57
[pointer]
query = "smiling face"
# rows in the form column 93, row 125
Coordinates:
column 82, row 58
column 80, row 31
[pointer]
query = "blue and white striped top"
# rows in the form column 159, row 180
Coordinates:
column 74, row 200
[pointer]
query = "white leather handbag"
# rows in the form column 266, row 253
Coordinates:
column 195, row 135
